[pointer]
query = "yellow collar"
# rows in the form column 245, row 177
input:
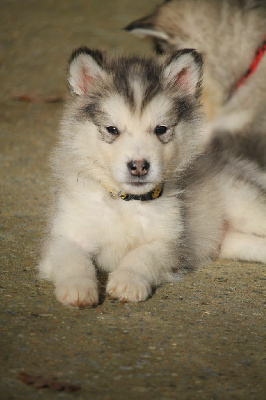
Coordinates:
column 152, row 195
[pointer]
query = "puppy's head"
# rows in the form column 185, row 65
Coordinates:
column 133, row 122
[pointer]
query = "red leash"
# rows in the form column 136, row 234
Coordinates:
column 258, row 56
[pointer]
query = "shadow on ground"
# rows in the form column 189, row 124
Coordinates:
column 201, row 338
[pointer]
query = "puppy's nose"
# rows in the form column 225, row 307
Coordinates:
column 138, row 167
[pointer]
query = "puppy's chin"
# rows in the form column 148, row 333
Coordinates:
column 138, row 188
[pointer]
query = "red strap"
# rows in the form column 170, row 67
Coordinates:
column 259, row 54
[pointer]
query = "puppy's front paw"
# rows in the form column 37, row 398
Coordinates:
column 128, row 286
column 77, row 292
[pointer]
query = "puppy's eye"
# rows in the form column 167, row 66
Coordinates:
column 113, row 130
column 160, row 129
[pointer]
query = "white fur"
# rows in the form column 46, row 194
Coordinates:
column 126, row 237
column 237, row 245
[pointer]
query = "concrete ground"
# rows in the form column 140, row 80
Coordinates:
column 201, row 338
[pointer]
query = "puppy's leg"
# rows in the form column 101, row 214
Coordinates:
column 141, row 269
column 241, row 246
column 246, row 210
column 72, row 272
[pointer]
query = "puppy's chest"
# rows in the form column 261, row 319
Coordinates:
column 129, row 226
column 109, row 228
column 131, row 223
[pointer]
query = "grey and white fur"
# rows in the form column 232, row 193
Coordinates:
column 227, row 33
column 134, row 123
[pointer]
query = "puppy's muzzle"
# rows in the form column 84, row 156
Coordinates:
column 138, row 167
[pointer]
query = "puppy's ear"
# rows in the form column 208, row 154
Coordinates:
column 145, row 27
column 85, row 67
column 184, row 70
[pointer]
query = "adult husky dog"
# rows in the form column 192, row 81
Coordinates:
column 231, row 36
column 133, row 195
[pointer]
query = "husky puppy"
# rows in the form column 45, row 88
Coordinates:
column 133, row 196
column 231, row 36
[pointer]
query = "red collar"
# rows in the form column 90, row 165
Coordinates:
column 258, row 56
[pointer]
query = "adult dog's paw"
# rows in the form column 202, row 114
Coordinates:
column 128, row 286
column 77, row 292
